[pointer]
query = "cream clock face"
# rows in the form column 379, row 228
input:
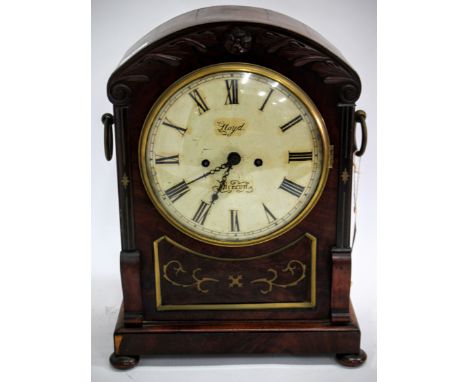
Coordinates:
column 234, row 154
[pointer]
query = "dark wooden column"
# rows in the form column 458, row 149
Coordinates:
column 341, row 253
column 129, row 256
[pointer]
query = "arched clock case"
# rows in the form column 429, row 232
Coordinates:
column 234, row 139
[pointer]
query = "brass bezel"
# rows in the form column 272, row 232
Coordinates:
column 238, row 67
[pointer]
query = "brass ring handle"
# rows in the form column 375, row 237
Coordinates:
column 360, row 117
column 108, row 120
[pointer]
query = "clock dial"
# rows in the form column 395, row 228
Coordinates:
column 234, row 154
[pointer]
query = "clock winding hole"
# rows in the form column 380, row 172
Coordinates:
column 233, row 158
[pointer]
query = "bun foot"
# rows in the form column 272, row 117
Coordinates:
column 352, row 360
column 123, row 362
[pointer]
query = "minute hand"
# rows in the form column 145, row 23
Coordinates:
column 211, row 172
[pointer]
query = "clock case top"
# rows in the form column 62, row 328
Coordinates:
column 234, row 34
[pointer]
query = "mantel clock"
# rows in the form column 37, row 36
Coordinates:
column 234, row 130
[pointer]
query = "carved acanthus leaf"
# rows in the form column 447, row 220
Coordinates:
column 301, row 54
column 171, row 53
column 174, row 51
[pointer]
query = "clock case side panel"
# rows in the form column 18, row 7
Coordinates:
column 133, row 89
column 130, row 267
column 341, row 252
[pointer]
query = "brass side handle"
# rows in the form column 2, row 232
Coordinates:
column 360, row 117
column 108, row 120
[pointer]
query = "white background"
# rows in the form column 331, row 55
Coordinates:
column 351, row 27
column 45, row 197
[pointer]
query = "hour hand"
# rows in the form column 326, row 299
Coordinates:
column 214, row 196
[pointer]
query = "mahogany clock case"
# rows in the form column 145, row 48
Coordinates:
column 146, row 325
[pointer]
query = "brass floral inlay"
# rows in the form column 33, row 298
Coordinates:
column 125, row 181
column 176, row 267
column 292, row 267
column 295, row 267
column 345, row 176
column 235, row 281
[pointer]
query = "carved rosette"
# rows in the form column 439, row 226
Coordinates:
column 238, row 41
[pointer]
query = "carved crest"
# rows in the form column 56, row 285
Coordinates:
column 236, row 41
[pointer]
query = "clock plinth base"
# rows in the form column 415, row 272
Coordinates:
column 237, row 337
column 352, row 360
column 123, row 362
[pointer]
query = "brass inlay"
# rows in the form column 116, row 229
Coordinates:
column 125, row 181
column 230, row 126
column 235, row 281
column 192, row 252
column 332, row 155
column 345, row 176
column 160, row 306
column 236, row 67
column 291, row 267
column 177, row 268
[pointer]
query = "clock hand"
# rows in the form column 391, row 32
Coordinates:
column 211, row 172
column 233, row 159
column 214, row 197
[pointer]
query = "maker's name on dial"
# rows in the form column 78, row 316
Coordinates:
column 230, row 126
column 235, row 185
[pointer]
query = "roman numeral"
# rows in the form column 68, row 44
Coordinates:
column 172, row 159
column 176, row 192
column 295, row 157
column 234, row 221
column 202, row 106
column 232, row 88
column 201, row 213
column 291, row 187
column 168, row 123
column 266, row 100
column 271, row 218
column 291, row 123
